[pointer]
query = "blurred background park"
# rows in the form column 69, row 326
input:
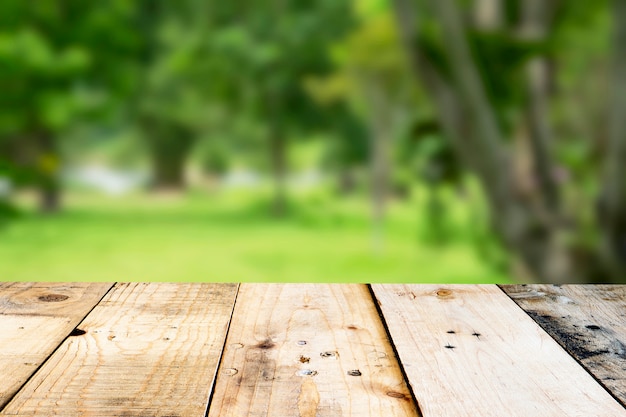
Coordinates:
column 313, row 140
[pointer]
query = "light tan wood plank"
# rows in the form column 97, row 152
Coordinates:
column 149, row 350
column 308, row 350
column 468, row 350
column 589, row 321
column 34, row 319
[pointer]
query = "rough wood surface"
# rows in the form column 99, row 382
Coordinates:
column 34, row 320
column 468, row 350
column 308, row 350
column 589, row 321
column 147, row 350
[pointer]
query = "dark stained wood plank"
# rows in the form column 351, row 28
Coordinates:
column 145, row 350
column 34, row 319
column 589, row 321
column 468, row 350
column 311, row 351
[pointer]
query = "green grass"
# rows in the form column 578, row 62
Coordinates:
column 230, row 237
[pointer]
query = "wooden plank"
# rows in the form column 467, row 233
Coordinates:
column 588, row 321
column 468, row 350
column 308, row 350
column 148, row 350
column 34, row 319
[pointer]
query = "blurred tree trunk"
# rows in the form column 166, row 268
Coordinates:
column 169, row 139
column 168, row 171
column 541, row 190
column 278, row 155
column 379, row 160
column 169, row 147
column 488, row 14
column 470, row 122
column 278, row 152
column 48, row 165
column 346, row 181
column 50, row 198
column 612, row 203
column 534, row 26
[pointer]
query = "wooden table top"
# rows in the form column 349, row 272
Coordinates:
column 155, row 349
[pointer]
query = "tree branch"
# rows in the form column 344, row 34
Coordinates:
column 535, row 15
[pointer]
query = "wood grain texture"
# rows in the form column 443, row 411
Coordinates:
column 589, row 321
column 308, row 350
column 34, row 319
column 468, row 350
column 148, row 350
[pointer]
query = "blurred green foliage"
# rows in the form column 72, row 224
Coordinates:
column 194, row 92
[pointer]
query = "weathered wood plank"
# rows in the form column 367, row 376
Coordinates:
column 468, row 350
column 589, row 321
column 308, row 350
column 148, row 350
column 34, row 320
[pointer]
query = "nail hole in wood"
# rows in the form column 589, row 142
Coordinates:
column 354, row 372
column 443, row 293
column 306, row 372
column 266, row 344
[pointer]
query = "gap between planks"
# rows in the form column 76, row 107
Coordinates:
column 221, row 355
